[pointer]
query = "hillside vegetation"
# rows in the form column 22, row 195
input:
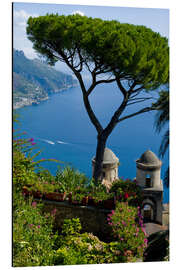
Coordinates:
column 34, row 80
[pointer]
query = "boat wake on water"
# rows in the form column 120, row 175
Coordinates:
column 48, row 141
column 61, row 142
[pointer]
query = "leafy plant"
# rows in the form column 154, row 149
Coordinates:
column 70, row 179
column 27, row 171
column 71, row 226
column 127, row 226
column 45, row 176
column 33, row 236
column 127, row 190
column 86, row 248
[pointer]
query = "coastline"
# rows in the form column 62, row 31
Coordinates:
column 25, row 101
column 28, row 101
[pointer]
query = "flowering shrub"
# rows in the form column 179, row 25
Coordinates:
column 127, row 190
column 75, row 248
column 127, row 226
column 23, row 172
column 33, row 236
column 27, row 171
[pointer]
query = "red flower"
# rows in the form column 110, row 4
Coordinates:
column 126, row 195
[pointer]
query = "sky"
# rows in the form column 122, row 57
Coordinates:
column 155, row 18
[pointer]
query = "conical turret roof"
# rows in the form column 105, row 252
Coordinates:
column 149, row 159
column 109, row 157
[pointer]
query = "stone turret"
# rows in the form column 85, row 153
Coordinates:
column 109, row 167
column 148, row 176
column 150, row 165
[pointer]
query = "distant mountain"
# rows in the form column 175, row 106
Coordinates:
column 34, row 80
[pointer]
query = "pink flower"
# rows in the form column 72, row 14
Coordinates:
column 124, row 223
column 31, row 225
column 34, row 204
column 143, row 231
column 53, row 212
column 31, row 140
column 33, row 143
column 38, row 226
column 145, row 241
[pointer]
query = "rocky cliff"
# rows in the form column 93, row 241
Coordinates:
column 34, row 80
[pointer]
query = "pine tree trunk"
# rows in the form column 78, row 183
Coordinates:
column 101, row 143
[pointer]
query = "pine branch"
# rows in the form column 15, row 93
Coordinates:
column 147, row 109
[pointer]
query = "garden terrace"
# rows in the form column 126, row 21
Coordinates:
column 93, row 219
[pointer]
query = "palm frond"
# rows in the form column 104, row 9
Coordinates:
column 164, row 144
column 166, row 177
column 162, row 116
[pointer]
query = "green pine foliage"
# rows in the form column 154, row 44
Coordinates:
column 134, row 52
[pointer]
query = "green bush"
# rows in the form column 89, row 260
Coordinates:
column 23, row 172
column 70, row 179
column 75, row 248
column 128, row 229
column 127, row 191
column 33, row 236
column 71, row 226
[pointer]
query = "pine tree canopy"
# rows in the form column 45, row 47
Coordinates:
column 129, row 52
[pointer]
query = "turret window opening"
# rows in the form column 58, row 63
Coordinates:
column 148, row 180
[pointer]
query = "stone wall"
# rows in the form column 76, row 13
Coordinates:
column 93, row 220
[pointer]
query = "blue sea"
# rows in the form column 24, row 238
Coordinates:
column 62, row 130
